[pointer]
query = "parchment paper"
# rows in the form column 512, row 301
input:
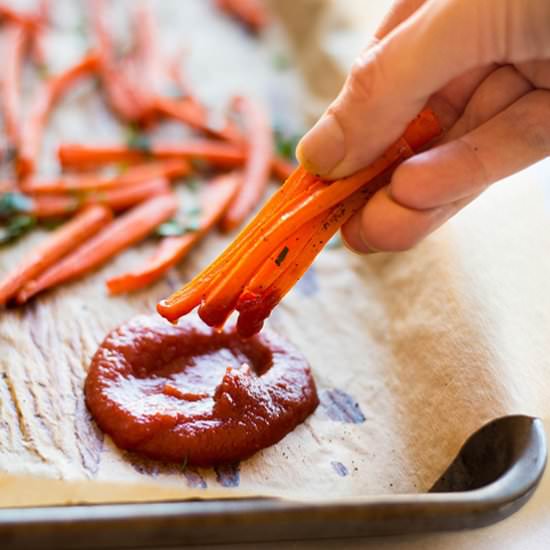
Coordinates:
column 412, row 352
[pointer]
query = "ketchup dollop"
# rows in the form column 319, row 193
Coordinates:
column 189, row 393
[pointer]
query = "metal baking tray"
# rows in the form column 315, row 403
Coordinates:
column 494, row 474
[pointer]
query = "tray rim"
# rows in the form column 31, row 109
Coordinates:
column 382, row 514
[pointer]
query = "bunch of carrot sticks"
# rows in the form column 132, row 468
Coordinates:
column 101, row 216
column 276, row 248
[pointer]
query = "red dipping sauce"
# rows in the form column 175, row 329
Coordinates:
column 188, row 392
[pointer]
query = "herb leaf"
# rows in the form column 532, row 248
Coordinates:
column 137, row 140
column 17, row 226
column 286, row 144
column 14, row 203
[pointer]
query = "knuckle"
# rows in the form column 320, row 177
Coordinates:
column 535, row 120
column 364, row 75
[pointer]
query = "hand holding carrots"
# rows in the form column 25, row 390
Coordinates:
column 488, row 82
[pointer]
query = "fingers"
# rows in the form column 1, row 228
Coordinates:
column 512, row 140
column 392, row 81
column 431, row 187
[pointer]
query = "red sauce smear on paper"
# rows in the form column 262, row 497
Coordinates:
column 187, row 392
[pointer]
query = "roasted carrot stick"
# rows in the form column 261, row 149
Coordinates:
column 54, row 205
column 16, row 37
column 250, row 12
column 220, row 290
column 223, row 298
column 123, row 232
column 216, row 153
column 191, row 295
column 169, row 169
column 43, row 104
column 21, row 18
column 292, row 259
column 62, row 241
column 281, row 168
column 258, row 163
column 214, row 200
column 120, row 94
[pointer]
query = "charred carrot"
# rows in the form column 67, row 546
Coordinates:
column 250, row 12
column 169, row 169
column 52, row 90
column 214, row 201
column 15, row 42
column 257, row 166
column 123, row 232
column 218, row 290
column 62, row 241
column 54, row 205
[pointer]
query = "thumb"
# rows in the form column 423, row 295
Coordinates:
column 393, row 79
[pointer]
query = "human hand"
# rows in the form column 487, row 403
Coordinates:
column 483, row 66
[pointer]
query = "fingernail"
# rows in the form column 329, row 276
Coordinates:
column 323, row 147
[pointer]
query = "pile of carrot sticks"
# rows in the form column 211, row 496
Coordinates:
column 102, row 216
column 276, row 248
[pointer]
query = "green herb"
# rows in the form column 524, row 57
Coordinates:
column 194, row 184
column 285, row 144
column 281, row 62
column 14, row 203
column 50, row 224
column 137, row 140
column 16, row 227
column 188, row 221
column 282, row 255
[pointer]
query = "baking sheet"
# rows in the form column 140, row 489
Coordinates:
column 412, row 352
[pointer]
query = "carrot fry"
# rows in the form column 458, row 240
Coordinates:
column 215, row 153
column 310, row 211
column 20, row 18
column 62, row 241
column 54, row 205
column 292, row 259
column 171, row 168
column 214, row 200
column 15, row 43
column 52, row 90
column 258, row 164
column 250, row 12
column 121, row 95
column 123, row 232
column 191, row 295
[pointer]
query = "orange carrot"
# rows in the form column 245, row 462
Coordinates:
column 54, row 205
column 250, row 12
column 171, row 168
column 21, row 18
column 214, row 200
column 16, row 39
column 258, row 164
column 123, row 232
column 213, row 152
column 216, row 153
column 310, row 212
column 121, row 95
column 85, row 224
column 190, row 295
column 48, row 96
